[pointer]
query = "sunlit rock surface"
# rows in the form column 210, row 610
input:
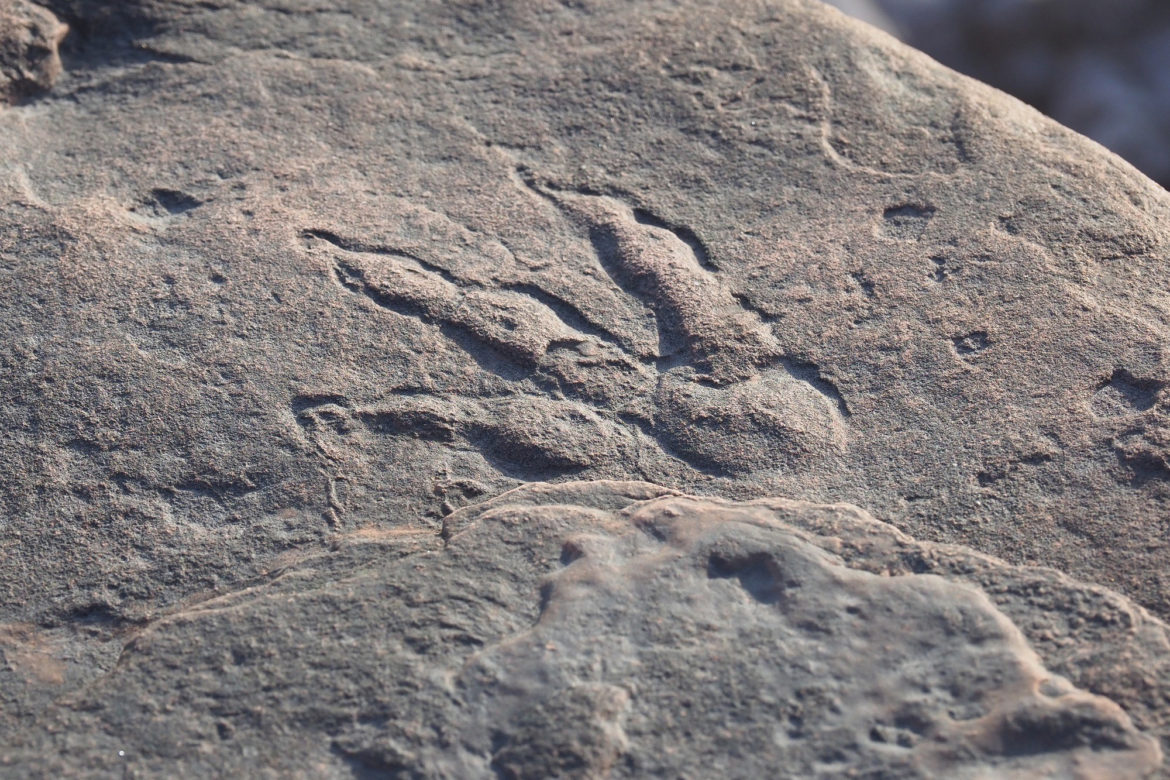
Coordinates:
column 280, row 273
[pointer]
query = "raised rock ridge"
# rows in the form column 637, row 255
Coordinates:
column 617, row 629
column 277, row 271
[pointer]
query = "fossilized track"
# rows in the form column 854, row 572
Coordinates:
column 719, row 393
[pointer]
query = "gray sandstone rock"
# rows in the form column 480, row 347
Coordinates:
column 619, row 629
column 282, row 276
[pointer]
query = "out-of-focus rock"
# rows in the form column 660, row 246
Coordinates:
column 29, row 61
column 867, row 11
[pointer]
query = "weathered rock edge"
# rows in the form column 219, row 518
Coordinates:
column 586, row 629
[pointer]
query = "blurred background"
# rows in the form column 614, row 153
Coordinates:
column 1101, row 67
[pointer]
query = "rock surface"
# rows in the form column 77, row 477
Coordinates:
column 278, row 273
column 1099, row 68
column 618, row 629
column 29, row 61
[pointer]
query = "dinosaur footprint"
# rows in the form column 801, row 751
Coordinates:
column 719, row 394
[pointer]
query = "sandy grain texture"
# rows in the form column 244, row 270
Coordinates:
column 610, row 629
column 274, row 273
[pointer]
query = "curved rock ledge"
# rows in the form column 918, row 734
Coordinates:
column 617, row 629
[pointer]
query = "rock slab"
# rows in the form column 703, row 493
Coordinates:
column 277, row 273
column 621, row 629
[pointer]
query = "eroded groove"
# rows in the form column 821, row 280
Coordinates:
column 354, row 280
column 306, row 401
column 219, row 492
column 95, row 616
column 483, row 353
column 605, row 247
column 417, row 424
column 746, row 303
column 1002, row 470
column 350, row 245
column 810, row 373
column 682, row 232
column 565, row 312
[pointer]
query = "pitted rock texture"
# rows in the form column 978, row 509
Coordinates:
column 274, row 271
column 622, row 630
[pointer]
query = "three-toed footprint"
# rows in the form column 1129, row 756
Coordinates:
column 718, row 393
